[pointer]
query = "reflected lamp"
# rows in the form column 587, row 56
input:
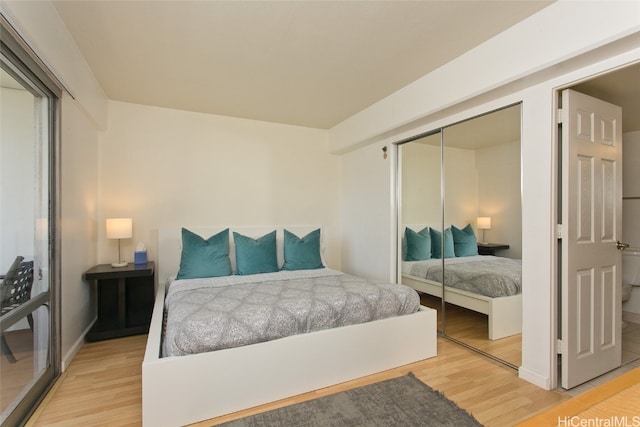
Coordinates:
column 483, row 223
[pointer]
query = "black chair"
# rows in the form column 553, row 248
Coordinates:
column 15, row 290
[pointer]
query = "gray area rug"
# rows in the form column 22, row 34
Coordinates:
column 403, row 401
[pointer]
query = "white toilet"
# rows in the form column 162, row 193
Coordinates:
column 630, row 272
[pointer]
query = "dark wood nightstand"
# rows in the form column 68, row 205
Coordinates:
column 125, row 300
column 490, row 248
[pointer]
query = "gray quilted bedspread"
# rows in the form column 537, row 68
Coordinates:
column 218, row 313
column 485, row 275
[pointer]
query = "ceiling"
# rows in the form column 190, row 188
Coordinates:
column 306, row 63
column 498, row 127
column 494, row 128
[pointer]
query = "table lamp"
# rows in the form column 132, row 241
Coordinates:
column 119, row 228
column 484, row 223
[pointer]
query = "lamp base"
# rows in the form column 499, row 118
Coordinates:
column 119, row 264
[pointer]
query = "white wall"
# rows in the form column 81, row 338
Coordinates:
column 461, row 178
column 631, row 218
column 170, row 168
column 499, row 177
column 368, row 221
column 421, row 183
column 520, row 64
column 79, row 210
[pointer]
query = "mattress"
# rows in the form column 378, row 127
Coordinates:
column 225, row 312
column 486, row 275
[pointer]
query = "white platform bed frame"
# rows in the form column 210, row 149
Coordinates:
column 187, row 389
column 505, row 313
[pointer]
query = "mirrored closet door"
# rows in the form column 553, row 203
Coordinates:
column 420, row 214
column 470, row 217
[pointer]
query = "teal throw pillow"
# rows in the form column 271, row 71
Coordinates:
column 302, row 254
column 418, row 245
column 436, row 244
column 204, row 258
column 464, row 241
column 255, row 256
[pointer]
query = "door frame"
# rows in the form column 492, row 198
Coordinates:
column 590, row 72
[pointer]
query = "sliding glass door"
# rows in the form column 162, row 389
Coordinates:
column 29, row 356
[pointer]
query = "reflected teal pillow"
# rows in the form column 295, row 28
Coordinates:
column 255, row 256
column 418, row 245
column 436, row 244
column 464, row 241
column 204, row 258
column 302, row 254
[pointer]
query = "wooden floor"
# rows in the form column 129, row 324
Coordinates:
column 615, row 403
column 102, row 386
column 472, row 328
column 18, row 375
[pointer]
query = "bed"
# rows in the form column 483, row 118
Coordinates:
column 183, row 389
column 486, row 284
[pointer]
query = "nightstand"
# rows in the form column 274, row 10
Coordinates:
column 125, row 300
column 490, row 248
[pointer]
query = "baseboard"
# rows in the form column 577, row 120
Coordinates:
column 629, row 316
column 75, row 348
column 534, row 378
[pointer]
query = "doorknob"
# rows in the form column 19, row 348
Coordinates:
column 621, row 246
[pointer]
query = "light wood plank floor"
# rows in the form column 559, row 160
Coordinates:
column 102, row 386
column 16, row 376
column 616, row 402
column 472, row 328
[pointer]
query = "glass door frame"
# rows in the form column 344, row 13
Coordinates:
column 22, row 64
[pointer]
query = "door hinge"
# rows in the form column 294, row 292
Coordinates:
column 559, row 231
column 560, row 116
column 559, row 347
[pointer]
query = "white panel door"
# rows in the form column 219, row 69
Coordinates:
column 591, row 307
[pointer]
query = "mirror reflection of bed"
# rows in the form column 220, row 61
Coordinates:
column 448, row 179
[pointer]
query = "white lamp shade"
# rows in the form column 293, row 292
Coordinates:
column 119, row 228
column 484, row 223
